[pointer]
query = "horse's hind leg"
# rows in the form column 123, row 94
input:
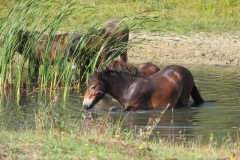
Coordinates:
column 184, row 98
column 182, row 102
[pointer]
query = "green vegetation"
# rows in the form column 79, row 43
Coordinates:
column 85, row 16
column 151, row 15
column 102, row 138
column 52, row 138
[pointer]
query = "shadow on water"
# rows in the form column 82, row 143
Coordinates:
column 219, row 118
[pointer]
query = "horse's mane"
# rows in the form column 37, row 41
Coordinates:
column 122, row 66
column 119, row 73
column 116, row 78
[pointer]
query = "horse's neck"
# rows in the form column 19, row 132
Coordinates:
column 116, row 83
column 121, row 87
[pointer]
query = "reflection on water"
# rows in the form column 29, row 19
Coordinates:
column 220, row 117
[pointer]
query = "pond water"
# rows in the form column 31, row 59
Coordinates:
column 219, row 118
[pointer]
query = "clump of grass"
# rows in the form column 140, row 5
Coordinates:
column 31, row 16
column 34, row 16
column 152, row 123
column 26, row 16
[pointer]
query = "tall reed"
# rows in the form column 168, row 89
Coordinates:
column 34, row 16
column 29, row 15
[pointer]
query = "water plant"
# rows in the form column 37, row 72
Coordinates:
column 25, row 16
column 27, row 27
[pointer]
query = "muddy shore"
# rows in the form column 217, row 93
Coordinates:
column 201, row 49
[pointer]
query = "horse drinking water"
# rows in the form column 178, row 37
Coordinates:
column 174, row 84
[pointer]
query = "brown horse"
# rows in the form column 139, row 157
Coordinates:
column 111, row 41
column 34, row 46
column 146, row 69
column 173, row 85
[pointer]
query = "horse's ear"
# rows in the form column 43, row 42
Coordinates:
column 91, row 76
column 97, row 74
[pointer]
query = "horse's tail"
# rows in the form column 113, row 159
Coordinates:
column 196, row 95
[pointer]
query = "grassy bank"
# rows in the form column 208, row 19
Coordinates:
column 102, row 140
column 151, row 15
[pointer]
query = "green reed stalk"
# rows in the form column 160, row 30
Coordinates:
column 33, row 16
column 69, row 73
column 28, row 16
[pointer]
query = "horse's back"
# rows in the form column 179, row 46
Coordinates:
column 179, row 71
column 117, row 28
column 177, row 81
column 177, row 68
column 147, row 68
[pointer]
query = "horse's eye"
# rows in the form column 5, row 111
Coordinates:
column 93, row 87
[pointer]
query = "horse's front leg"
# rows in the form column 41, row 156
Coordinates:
column 129, row 108
column 33, row 68
column 123, row 57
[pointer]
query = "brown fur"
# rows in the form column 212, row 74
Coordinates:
column 173, row 85
column 59, row 43
column 111, row 41
column 36, row 46
column 122, row 66
column 39, row 46
column 146, row 69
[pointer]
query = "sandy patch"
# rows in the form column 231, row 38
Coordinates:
column 209, row 49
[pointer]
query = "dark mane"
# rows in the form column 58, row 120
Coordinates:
column 119, row 73
column 122, row 66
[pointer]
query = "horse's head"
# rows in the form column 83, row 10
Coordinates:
column 95, row 90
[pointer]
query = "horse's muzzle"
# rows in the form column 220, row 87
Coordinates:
column 87, row 104
column 88, row 107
